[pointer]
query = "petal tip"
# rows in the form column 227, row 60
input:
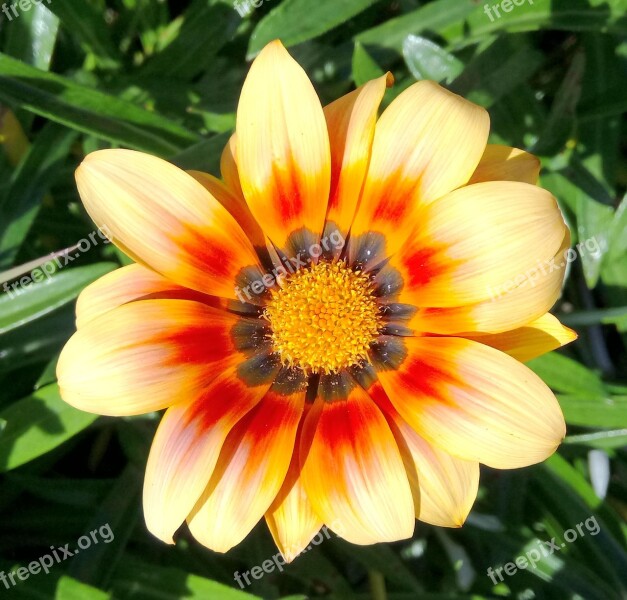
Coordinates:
column 570, row 335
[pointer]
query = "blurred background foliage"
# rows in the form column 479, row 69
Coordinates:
column 164, row 77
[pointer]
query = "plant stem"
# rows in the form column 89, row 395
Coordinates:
column 377, row 585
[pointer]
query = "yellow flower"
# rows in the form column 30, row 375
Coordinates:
column 321, row 324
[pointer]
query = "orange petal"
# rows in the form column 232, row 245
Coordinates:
column 228, row 168
column 236, row 205
column 427, row 143
column 475, row 402
column 283, row 151
column 145, row 355
column 472, row 241
column 130, row 283
column 351, row 123
column 162, row 217
column 291, row 518
column 514, row 304
column 186, row 447
column 353, row 471
column 532, row 340
column 444, row 487
column 503, row 163
column 255, row 456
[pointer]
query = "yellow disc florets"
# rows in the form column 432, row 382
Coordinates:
column 323, row 318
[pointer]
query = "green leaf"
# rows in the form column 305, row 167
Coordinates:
column 37, row 341
column 33, row 36
column 605, row 440
column 90, row 111
column 607, row 104
column 566, row 574
column 29, row 302
column 75, row 493
column 204, row 31
column 516, row 118
column 617, row 237
column 566, row 15
column 115, row 520
column 566, row 375
column 135, row 579
column 592, row 206
column 364, row 66
column 217, row 105
column 21, row 202
column 427, row 60
column 614, row 273
column 49, row 374
column 606, row 316
column 433, row 17
column 561, row 122
column 89, row 26
column 423, row 596
column 329, row 572
column 572, row 500
column 609, row 411
column 296, row 21
column 381, row 558
column 497, row 70
column 203, row 156
column 597, row 153
column 37, row 424
column 71, row 589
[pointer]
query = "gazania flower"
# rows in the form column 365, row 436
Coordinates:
column 322, row 324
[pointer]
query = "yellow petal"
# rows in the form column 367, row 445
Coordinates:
column 255, row 456
column 351, row 123
column 283, row 152
column 476, row 239
column 133, row 282
column 447, row 485
column 186, row 447
column 145, row 356
column 475, row 402
column 532, row 340
column 427, row 143
column 161, row 217
column 235, row 204
column 228, row 167
column 514, row 303
column 503, row 163
column 444, row 487
column 291, row 518
column 353, row 471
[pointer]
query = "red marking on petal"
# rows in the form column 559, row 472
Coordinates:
column 212, row 406
column 422, row 265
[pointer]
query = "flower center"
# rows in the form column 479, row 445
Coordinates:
column 324, row 318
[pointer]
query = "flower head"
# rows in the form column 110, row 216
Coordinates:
column 321, row 323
